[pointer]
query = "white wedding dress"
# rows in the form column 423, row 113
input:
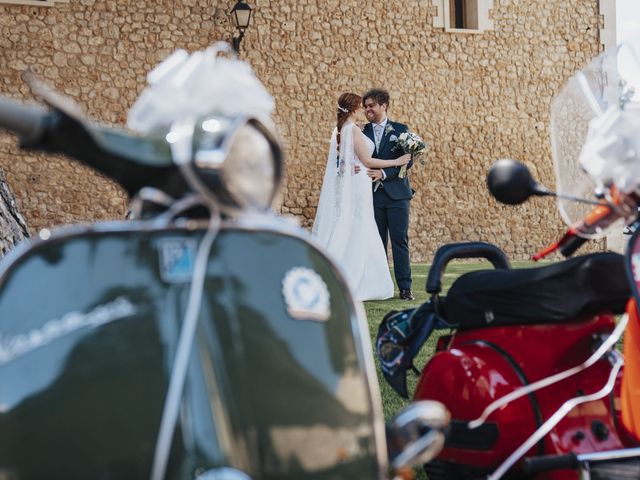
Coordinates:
column 345, row 224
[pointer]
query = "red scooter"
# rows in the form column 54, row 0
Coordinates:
column 513, row 329
column 516, row 328
column 531, row 375
column 531, row 371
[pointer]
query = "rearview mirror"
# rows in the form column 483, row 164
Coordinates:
column 417, row 434
column 511, row 182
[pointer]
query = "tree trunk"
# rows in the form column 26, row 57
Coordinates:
column 13, row 227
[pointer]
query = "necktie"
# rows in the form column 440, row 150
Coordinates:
column 377, row 133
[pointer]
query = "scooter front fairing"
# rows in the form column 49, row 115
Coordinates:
column 278, row 385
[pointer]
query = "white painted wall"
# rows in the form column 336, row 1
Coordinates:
column 628, row 18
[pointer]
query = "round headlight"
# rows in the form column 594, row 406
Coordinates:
column 238, row 161
column 250, row 168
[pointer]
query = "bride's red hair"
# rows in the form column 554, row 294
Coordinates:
column 347, row 104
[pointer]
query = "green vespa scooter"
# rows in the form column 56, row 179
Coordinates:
column 206, row 338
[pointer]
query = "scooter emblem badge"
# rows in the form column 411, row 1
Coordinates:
column 306, row 295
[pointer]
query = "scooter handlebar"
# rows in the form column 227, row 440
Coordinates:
column 26, row 121
column 131, row 160
column 547, row 463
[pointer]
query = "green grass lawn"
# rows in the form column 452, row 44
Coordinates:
column 376, row 310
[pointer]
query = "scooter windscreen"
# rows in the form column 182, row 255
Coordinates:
column 595, row 120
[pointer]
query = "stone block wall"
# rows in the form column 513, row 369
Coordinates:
column 473, row 97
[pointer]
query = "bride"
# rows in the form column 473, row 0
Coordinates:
column 345, row 223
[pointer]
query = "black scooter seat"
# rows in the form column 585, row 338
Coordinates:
column 583, row 285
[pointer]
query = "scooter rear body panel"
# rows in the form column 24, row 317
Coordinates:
column 631, row 381
column 482, row 365
column 89, row 326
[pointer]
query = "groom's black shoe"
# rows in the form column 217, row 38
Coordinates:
column 406, row 295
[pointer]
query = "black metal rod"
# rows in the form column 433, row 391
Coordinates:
column 237, row 40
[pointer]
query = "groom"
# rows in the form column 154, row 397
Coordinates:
column 391, row 194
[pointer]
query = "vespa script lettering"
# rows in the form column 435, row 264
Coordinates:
column 12, row 347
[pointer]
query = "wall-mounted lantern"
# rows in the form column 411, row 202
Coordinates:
column 240, row 16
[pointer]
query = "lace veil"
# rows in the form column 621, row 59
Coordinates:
column 336, row 207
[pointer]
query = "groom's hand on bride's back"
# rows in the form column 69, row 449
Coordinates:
column 374, row 174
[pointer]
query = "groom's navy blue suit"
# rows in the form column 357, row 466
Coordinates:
column 391, row 202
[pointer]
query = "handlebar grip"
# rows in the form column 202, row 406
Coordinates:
column 26, row 121
column 546, row 463
column 572, row 244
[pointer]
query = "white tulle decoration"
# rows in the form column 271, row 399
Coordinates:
column 187, row 86
column 611, row 152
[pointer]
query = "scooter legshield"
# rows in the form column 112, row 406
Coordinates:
column 467, row 379
column 89, row 327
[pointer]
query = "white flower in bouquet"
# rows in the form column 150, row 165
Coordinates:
column 412, row 144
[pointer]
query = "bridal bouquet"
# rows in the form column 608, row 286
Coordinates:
column 411, row 143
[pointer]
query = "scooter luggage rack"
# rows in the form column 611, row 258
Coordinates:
column 607, row 346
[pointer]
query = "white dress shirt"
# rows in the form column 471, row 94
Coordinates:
column 378, row 138
column 378, row 131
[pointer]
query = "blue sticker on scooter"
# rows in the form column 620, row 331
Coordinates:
column 177, row 258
